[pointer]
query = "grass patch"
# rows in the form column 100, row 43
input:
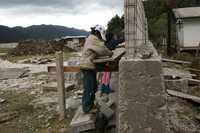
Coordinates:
column 30, row 119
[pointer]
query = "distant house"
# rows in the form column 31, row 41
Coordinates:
column 73, row 42
column 187, row 28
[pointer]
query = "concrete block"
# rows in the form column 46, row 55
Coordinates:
column 141, row 97
column 106, row 110
column 82, row 122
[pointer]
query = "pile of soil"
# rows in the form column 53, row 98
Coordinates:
column 33, row 47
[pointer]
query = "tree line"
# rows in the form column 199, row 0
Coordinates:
column 156, row 13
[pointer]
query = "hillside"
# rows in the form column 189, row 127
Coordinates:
column 45, row 32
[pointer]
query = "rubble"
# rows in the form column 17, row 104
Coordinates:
column 177, row 84
column 12, row 73
column 4, row 117
column 53, row 87
column 32, row 47
column 174, row 72
column 72, row 103
column 36, row 60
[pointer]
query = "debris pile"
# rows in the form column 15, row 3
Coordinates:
column 32, row 47
column 36, row 60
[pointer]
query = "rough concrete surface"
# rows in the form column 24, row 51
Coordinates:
column 141, row 96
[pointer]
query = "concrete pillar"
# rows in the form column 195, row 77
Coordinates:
column 141, row 101
column 141, row 96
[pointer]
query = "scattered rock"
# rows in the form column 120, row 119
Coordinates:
column 63, row 130
column 2, row 100
column 72, row 103
column 47, row 125
column 79, row 92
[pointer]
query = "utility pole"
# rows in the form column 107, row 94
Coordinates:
column 169, row 32
column 171, row 4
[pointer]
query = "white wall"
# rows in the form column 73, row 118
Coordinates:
column 191, row 32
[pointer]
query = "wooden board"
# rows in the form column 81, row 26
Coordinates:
column 184, row 96
column 117, row 54
column 194, row 81
column 66, row 69
column 176, row 61
column 194, row 70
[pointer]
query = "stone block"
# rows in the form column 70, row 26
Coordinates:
column 82, row 122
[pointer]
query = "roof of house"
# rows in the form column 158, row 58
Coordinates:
column 73, row 37
column 189, row 12
column 70, row 37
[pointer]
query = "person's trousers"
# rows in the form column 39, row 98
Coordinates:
column 90, row 88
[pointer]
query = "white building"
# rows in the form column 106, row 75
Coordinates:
column 187, row 28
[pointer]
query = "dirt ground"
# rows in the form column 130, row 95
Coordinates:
column 26, row 108
column 24, row 105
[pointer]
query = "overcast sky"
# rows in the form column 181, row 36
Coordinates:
column 80, row 14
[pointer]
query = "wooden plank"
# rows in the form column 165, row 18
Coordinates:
column 65, row 69
column 61, row 88
column 184, row 96
column 176, row 61
column 76, row 69
column 194, row 70
column 193, row 81
column 117, row 54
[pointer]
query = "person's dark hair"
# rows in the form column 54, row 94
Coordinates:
column 92, row 31
column 96, row 33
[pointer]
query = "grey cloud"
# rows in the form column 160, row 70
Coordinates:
column 56, row 6
column 70, row 4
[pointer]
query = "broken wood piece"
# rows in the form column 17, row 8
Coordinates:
column 184, row 96
column 176, row 61
column 193, row 81
column 82, row 122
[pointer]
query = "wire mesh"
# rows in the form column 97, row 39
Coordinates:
column 136, row 29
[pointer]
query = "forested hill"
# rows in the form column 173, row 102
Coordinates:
column 44, row 32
